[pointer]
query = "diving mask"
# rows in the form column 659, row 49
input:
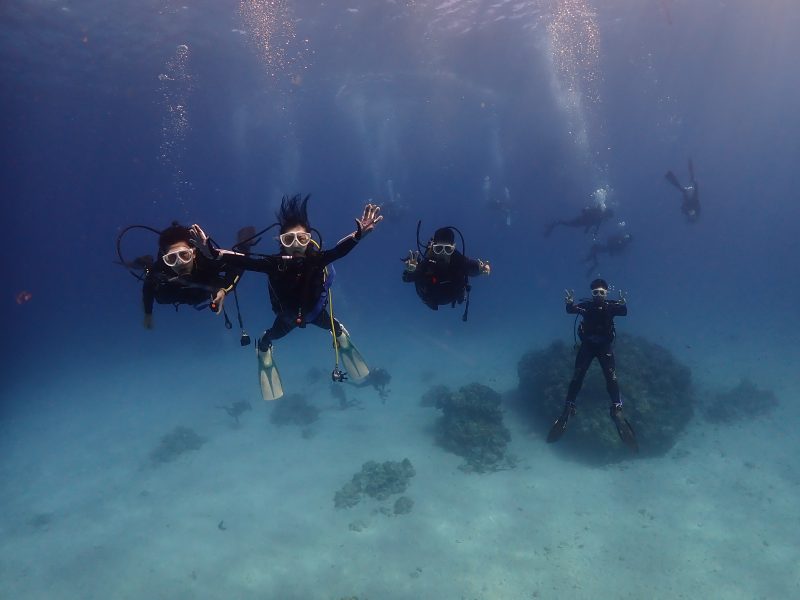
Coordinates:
column 183, row 256
column 446, row 249
column 290, row 238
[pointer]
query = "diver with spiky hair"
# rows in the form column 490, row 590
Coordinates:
column 690, row 194
column 300, row 276
column 597, row 334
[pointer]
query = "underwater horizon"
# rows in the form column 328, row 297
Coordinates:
column 142, row 463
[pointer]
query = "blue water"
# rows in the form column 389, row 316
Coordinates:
column 116, row 113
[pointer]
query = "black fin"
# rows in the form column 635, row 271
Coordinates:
column 670, row 176
column 626, row 433
column 560, row 426
column 557, row 430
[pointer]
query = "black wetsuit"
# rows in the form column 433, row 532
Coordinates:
column 690, row 195
column 163, row 285
column 296, row 287
column 690, row 205
column 614, row 244
column 591, row 218
column 443, row 283
column 597, row 338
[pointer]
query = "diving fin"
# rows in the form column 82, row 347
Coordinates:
column 352, row 362
column 269, row 378
column 560, row 426
column 624, row 429
column 670, row 176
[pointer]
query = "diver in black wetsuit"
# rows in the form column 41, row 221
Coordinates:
column 499, row 203
column 299, row 279
column 590, row 219
column 180, row 275
column 690, row 203
column 597, row 334
column 615, row 244
column 440, row 275
column 395, row 208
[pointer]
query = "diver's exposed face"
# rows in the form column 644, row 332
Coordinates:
column 295, row 240
column 176, row 258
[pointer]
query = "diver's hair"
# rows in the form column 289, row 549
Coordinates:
column 173, row 234
column 444, row 235
column 293, row 212
column 599, row 283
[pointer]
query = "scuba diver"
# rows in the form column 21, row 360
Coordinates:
column 500, row 204
column 395, row 208
column 615, row 244
column 179, row 275
column 597, row 334
column 690, row 205
column 441, row 273
column 591, row 218
column 299, row 279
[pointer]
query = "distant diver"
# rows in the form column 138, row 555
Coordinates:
column 179, row 275
column 690, row 203
column 590, row 219
column 440, row 273
column 615, row 244
column 300, row 276
column 395, row 208
column 501, row 204
column 597, row 333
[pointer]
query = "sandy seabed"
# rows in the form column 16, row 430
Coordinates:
column 251, row 513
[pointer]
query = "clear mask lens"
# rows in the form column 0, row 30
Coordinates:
column 182, row 256
column 300, row 238
column 599, row 293
column 447, row 249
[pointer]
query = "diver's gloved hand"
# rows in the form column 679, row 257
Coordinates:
column 412, row 261
column 569, row 296
column 485, row 267
column 199, row 239
column 368, row 221
column 622, row 299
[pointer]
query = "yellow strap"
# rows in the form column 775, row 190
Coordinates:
column 231, row 286
column 333, row 328
column 330, row 309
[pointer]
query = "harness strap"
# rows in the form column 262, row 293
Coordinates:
column 468, row 289
column 324, row 296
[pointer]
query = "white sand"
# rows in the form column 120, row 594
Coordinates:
column 717, row 518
